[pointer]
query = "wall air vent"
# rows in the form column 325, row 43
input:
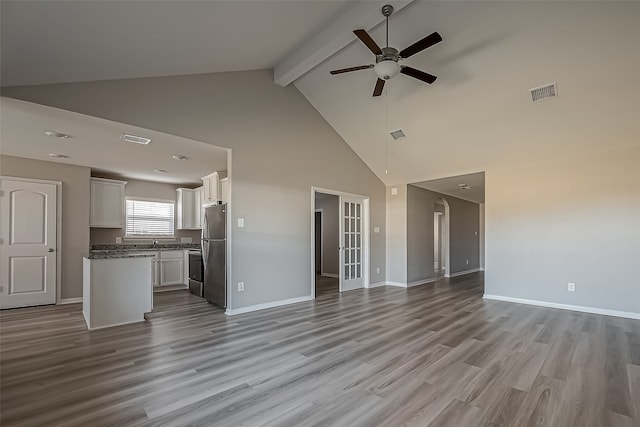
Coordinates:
column 398, row 134
column 543, row 93
column 136, row 139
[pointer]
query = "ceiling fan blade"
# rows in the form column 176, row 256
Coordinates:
column 368, row 41
column 417, row 74
column 379, row 86
column 346, row 70
column 421, row 45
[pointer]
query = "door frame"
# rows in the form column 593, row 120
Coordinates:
column 365, row 235
column 321, row 239
column 58, row 185
column 446, row 243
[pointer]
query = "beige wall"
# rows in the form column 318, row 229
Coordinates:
column 330, row 233
column 146, row 189
column 397, row 235
column 281, row 148
column 570, row 220
column 75, row 212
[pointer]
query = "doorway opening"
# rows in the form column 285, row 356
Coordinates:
column 327, row 244
column 441, row 238
column 339, row 242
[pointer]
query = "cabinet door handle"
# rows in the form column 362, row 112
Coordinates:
column 50, row 250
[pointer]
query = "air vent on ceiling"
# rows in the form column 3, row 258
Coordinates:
column 398, row 134
column 544, row 93
column 136, row 139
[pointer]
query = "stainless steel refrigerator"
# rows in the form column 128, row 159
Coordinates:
column 214, row 254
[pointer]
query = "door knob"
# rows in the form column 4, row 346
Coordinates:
column 50, row 250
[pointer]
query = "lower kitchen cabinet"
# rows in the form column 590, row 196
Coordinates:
column 171, row 268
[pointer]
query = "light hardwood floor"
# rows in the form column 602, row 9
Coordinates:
column 431, row 355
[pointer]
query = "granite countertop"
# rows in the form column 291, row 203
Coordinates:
column 133, row 250
column 112, row 255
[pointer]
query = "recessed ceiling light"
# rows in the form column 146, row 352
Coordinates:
column 180, row 157
column 56, row 134
column 135, row 139
column 160, row 171
column 58, row 156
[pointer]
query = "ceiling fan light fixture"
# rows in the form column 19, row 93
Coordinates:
column 386, row 69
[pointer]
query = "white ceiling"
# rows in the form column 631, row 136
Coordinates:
column 476, row 116
column 24, row 124
column 72, row 41
column 450, row 186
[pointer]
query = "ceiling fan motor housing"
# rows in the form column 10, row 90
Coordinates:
column 387, row 63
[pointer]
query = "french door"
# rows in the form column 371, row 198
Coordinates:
column 352, row 232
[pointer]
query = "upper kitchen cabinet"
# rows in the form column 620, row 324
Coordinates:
column 224, row 190
column 211, row 190
column 107, row 203
column 189, row 208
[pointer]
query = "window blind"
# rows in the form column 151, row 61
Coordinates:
column 149, row 218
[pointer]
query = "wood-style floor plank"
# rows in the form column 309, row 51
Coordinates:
column 436, row 354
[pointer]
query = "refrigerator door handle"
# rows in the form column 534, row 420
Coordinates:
column 205, row 253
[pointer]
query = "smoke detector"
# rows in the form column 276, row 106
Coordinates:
column 544, row 93
column 135, row 139
column 58, row 156
column 465, row 187
column 179, row 157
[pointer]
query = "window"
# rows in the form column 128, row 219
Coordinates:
column 149, row 218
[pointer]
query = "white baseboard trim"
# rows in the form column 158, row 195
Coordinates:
column 168, row 288
column 421, row 282
column 592, row 310
column 71, row 300
column 462, row 273
column 264, row 306
column 335, row 276
column 397, row 284
column 376, row 285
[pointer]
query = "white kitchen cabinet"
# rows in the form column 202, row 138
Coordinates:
column 189, row 208
column 211, row 190
column 199, row 206
column 171, row 268
column 107, row 203
column 186, row 209
column 224, row 190
column 185, row 267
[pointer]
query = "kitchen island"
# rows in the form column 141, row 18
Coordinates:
column 117, row 288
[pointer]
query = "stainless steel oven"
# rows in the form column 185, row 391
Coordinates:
column 196, row 273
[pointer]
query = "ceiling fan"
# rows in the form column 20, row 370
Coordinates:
column 388, row 58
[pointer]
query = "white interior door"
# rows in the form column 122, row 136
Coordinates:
column 352, row 243
column 28, row 252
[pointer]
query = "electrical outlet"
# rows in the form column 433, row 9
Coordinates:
column 240, row 286
column 376, row 229
column 378, row 270
column 118, row 239
column 571, row 287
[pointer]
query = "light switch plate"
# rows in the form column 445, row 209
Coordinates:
column 376, row 229
column 394, row 191
column 240, row 222
column 118, row 239
column 240, row 286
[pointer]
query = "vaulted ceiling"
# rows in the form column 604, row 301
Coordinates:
column 477, row 115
